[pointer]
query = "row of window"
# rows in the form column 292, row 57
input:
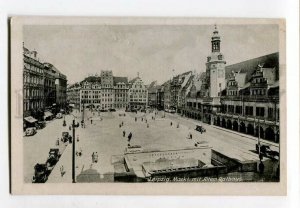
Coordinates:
column 32, row 105
column 33, row 93
column 259, row 111
column 33, row 68
column 33, row 79
column 258, row 91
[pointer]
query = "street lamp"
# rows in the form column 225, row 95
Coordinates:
column 73, row 148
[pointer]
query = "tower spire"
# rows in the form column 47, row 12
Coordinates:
column 215, row 40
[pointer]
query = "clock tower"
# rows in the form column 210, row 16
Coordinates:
column 215, row 67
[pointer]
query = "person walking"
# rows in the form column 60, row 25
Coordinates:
column 62, row 170
column 129, row 136
column 171, row 123
column 261, row 167
column 91, row 121
column 124, row 133
column 93, row 157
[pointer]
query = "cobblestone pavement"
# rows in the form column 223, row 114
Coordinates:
column 104, row 136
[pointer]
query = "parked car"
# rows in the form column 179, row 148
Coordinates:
column 134, row 110
column 59, row 115
column 200, row 128
column 172, row 111
column 52, row 159
column 112, row 110
column 40, row 125
column 40, row 173
column 66, row 137
column 103, row 110
column 30, row 131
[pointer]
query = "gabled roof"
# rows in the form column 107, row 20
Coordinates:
column 134, row 79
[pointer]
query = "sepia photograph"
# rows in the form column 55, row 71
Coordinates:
column 124, row 101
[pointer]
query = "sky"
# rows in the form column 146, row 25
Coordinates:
column 153, row 51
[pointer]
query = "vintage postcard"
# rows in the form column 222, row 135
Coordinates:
column 160, row 106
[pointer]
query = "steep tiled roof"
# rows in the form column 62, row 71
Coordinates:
column 248, row 67
column 133, row 80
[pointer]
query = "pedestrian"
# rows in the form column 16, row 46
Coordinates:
column 261, row 167
column 62, row 171
column 124, row 133
column 91, row 121
column 171, row 123
column 57, row 142
column 147, row 125
column 120, row 125
column 93, row 157
column 191, row 136
column 142, row 119
column 70, row 128
column 135, row 119
column 146, row 120
column 96, row 157
column 77, row 138
column 129, row 136
column 177, row 125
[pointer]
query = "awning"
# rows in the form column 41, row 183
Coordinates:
column 30, row 119
column 47, row 114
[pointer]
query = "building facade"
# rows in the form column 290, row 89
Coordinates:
column 49, row 85
column 33, row 84
column 73, row 95
column 102, row 92
column 253, row 108
column 121, row 92
column 137, row 94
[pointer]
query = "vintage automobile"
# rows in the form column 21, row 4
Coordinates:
column 172, row 110
column 40, row 173
column 52, row 159
column 66, row 137
column 30, row 131
column 103, row 110
column 112, row 110
column 40, row 125
column 59, row 115
column 200, row 129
